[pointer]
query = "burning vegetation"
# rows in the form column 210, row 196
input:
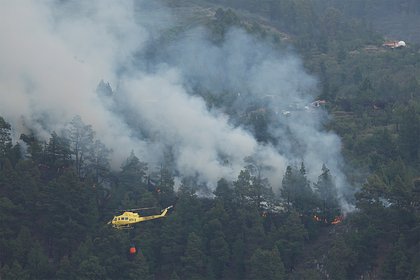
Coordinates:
column 337, row 220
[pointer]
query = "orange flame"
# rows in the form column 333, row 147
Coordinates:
column 316, row 218
column 337, row 220
column 319, row 219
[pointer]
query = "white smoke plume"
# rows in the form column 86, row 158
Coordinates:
column 54, row 53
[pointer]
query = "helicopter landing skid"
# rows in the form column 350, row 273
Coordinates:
column 123, row 227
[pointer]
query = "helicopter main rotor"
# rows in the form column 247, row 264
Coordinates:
column 137, row 209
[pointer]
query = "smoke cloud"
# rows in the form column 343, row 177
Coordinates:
column 54, row 54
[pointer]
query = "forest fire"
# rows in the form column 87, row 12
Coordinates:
column 317, row 218
column 336, row 220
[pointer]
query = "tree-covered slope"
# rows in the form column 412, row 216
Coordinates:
column 58, row 192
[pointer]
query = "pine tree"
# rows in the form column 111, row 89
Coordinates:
column 327, row 194
column 66, row 211
column 99, row 165
column 218, row 248
column 81, row 144
column 35, row 148
column 194, row 260
column 5, row 140
column 132, row 182
column 243, row 187
column 38, row 265
column 164, row 187
column 14, row 272
column 57, row 155
column 224, row 192
column 409, row 135
column 397, row 265
column 139, row 268
column 8, row 218
column 297, row 192
column 65, row 270
column 291, row 237
column 238, row 257
column 265, row 264
column 288, row 187
column 90, row 269
column 340, row 260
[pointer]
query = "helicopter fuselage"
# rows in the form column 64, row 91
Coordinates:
column 127, row 219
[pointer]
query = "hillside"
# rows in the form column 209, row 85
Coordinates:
column 282, row 136
column 397, row 25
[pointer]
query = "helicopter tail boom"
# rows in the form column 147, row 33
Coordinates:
column 161, row 215
column 164, row 211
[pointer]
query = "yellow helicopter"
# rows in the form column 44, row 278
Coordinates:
column 128, row 218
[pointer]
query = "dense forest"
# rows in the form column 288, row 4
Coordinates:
column 58, row 193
